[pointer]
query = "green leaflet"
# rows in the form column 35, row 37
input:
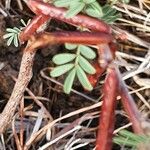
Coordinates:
column 86, row 66
column 9, row 41
column 83, row 79
column 88, row 1
column 16, row 40
column 64, row 3
column 7, row 35
column 130, row 139
column 12, row 34
column 94, row 10
column 63, row 58
column 132, row 136
column 124, row 141
column 69, row 81
column 60, row 70
column 91, row 12
column 87, row 52
column 74, row 9
column 110, row 14
column 14, row 30
column 112, row 19
column 70, row 46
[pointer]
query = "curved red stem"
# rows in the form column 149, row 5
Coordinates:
column 107, row 119
column 32, row 27
column 130, row 106
column 39, row 8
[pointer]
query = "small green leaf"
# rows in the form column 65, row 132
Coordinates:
column 96, row 7
column 112, row 19
column 86, row 66
column 60, row 70
column 69, row 81
column 83, row 79
column 63, row 58
column 87, row 52
column 7, row 35
column 17, row 29
column 16, row 40
column 132, row 136
column 110, row 14
column 91, row 12
column 64, row 3
column 89, row 1
column 9, row 41
column 107, row 10
column 124, row 141
column 70, row 46
column 12, row 30
column 75, row 9
column 23, row 22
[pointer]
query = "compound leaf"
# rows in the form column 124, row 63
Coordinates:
column 83, row 79
column 69, row 81
column 63, row 58
column 86, row 66
column 60, row 70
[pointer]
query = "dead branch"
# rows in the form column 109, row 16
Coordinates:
column 24, row 77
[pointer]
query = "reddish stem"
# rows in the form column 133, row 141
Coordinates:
column 94, row 78
column 44, row 39
column 107, row 121
column 130, row 106
column 32, row 27
column 105, row 55
column 41, row 8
